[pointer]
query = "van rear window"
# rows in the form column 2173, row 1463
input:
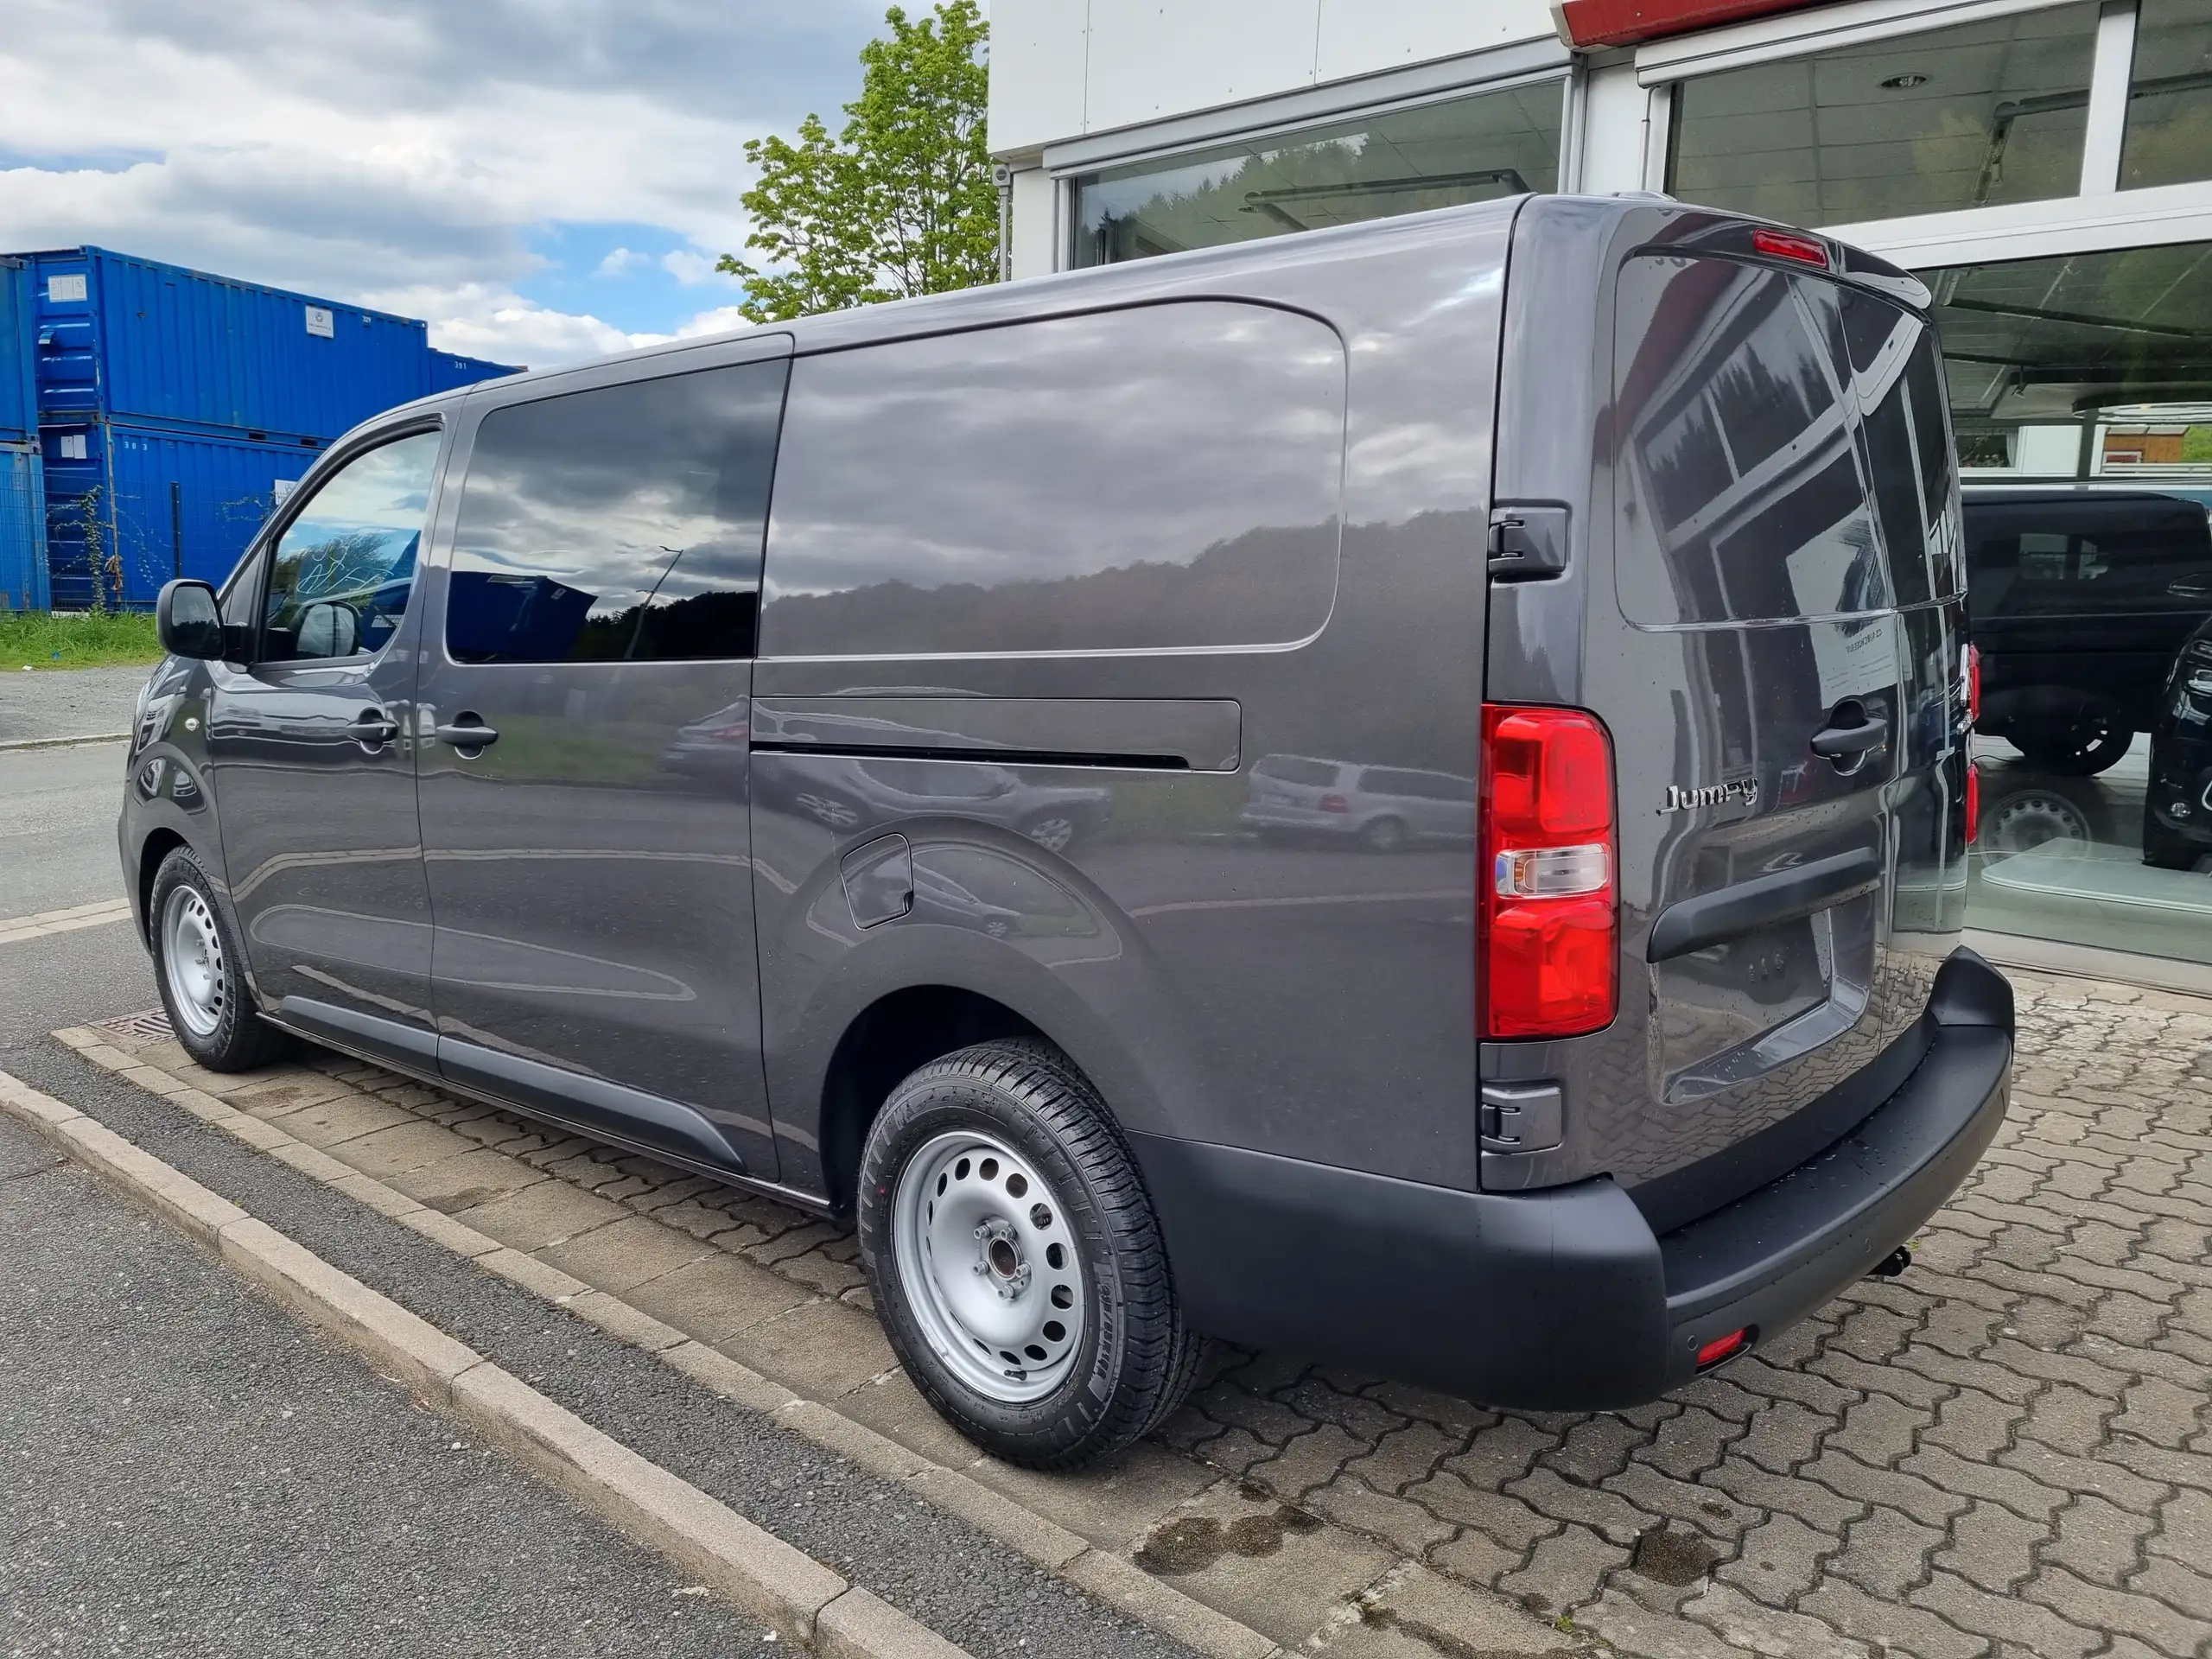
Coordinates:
column 925, row 503
column 1782, row 449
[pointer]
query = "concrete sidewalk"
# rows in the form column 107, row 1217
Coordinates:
column 2006, row 1451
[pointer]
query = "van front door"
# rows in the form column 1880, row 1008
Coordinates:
column 311, row 764
column 586, row 692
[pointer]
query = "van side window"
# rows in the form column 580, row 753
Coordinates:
column 620, row 524
column 1162, row 476
column 344, row 567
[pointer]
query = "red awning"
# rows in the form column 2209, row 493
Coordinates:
column 1624, row 23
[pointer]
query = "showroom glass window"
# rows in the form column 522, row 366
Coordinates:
column 1987, row 113
column 621, row 524
column 2080, row 388
column 2170, row 95
column 1496, row 143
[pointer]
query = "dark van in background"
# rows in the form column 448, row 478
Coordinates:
column 832, row 758
column 2083, row 598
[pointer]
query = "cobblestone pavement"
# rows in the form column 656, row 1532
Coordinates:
column 2006, row 1452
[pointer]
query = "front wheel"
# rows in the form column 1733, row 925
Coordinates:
column 2091, row 742
column 201, row 974
column 1016, row 1259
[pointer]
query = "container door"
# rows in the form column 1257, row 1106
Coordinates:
column 311, row 767
column 1770, row 656
column 587, row 686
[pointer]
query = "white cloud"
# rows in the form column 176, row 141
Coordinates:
column 690, row 267
column 366, row 148
column 621, row 261
column 723, row 320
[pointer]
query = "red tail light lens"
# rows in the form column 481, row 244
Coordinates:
column 1973, row 685
column 1790, row 245
column 1974, row 803
column 1335, row 804
column 1721, row 1348
column 1550, row 937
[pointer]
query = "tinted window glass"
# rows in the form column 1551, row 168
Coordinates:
column 619, row 524
column 1741, row 498
column 927, row 497
column 2086, row 555
column 344, row 567
column 1899, row 395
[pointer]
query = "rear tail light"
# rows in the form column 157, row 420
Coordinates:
column 1550, row 933
column 1790, row 245
column 1973, row 685
column 1335, row 804
column 1974, row 803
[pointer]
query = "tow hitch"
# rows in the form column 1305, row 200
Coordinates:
column 1892, row 1264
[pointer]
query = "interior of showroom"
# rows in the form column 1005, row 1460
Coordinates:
column 2046, row 168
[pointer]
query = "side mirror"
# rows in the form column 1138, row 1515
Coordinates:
column 188, row 622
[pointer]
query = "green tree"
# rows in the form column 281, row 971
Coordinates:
column 901, row 202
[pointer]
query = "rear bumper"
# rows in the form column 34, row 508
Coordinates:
column 1566, row 1301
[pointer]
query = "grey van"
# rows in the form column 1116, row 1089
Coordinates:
column 1643, row 517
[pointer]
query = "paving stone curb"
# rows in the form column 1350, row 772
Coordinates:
column 1106, row 1578
column 784, row 1588
column 15, row 746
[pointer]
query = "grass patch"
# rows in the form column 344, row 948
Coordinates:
column 77, row 639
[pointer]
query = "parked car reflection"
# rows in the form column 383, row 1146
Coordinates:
column 1382, row 808
column 843, row 792
column 2079, row 597
column 2177, row 801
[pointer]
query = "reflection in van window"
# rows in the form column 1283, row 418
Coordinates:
column 338, row 583
column 1743, row 469
column 619, row 524
column 922, row 499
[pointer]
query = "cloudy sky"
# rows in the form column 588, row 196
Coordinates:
column 542, row 180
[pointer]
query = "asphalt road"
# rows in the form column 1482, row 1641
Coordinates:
column 67, row 702
column 186, row 1471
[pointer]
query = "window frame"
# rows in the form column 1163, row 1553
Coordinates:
column 488, row 397
column 260, row 553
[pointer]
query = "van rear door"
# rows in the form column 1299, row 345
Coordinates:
column 1775, row 660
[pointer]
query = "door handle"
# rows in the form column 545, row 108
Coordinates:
column 372, row 728
column 467, row 733
column 1851, row 730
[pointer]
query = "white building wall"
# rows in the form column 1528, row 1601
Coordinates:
column 1064, row 69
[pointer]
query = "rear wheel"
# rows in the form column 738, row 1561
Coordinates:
column 1015, row 1260
column 1384, row 835
column 2090, row 742
column 202, row 973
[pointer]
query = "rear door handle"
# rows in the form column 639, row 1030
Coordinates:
column 1854, row 731
column 372, row 728
column 467, row 733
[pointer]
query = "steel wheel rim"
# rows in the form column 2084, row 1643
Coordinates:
column 192, row 961
column 989, row 1266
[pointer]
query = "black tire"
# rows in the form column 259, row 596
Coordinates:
column 1135, row 1357
column 2092, row 743
column 240, row 1040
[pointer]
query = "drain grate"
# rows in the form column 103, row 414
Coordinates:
column 151, row 1027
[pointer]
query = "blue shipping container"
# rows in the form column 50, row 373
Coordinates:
column 23, row 531
column 120, row 338
column 18, row 399
column 449, row 369
column 140, row 504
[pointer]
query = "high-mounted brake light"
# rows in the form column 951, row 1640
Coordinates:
column 1790, row 245
column 1549, row 931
